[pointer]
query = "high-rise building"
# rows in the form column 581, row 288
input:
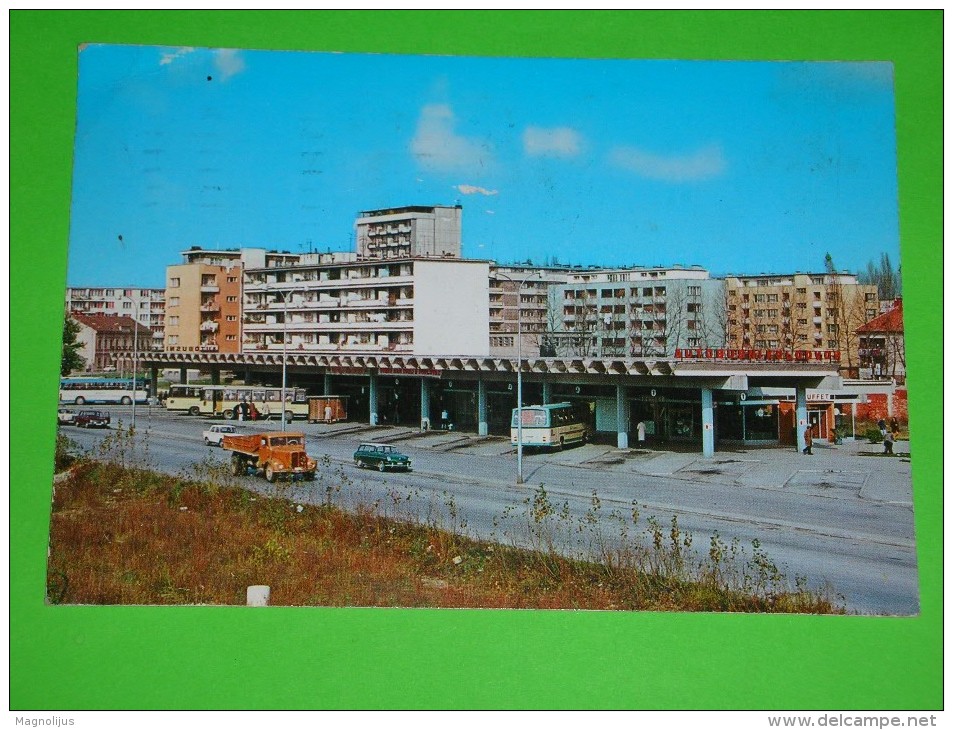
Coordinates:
column 635, row 312
column 338, row 303
column 800, row 311
column 204, row 297
column 411, row 231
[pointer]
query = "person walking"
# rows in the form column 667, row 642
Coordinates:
column 808, row 440
column 888, row 440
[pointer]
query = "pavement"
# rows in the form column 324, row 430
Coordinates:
column 853, row 468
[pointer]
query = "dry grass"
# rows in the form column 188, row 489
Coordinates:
column 120, row 536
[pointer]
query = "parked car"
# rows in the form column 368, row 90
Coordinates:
column 380, row 457
column 92, row 419
column 65, row 417
column 213, row 434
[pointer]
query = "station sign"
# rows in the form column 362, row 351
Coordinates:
column 725, row 355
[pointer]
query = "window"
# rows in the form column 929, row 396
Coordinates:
column 802, row 290
column 173, row 339
column 231, row 338
column 694, row 291
column 231, row 318
column 173, row 301
column 232, row 279
column 802, row 321
column 870, row 297
column 802, row 305
column 231, row 299
column 832, row 344
column 694, row 308
column 772, row 297
column 772, row 312
column 760, row 297
column 127, row 305
column 174, row 281
column 173, row 320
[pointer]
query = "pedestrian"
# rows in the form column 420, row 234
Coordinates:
column 888, row 441
column 253, row 411
column 640, row 431
column 882, row 425
column 444, row 419
column 808, row 440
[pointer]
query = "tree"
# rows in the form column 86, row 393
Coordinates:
column 72, row 360
column 882, row 274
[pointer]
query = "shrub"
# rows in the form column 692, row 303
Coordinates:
column 873, row 435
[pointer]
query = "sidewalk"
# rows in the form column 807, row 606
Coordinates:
column 851, row 469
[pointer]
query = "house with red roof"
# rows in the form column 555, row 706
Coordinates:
column 107, row 340
column 881, row 346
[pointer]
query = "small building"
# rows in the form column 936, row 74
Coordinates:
column 107, row 342
column 881, row 346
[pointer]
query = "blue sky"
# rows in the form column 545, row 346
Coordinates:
column 740, row 167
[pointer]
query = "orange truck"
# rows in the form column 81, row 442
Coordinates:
column 277, row 454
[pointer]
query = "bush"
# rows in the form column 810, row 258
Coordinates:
column 873, row 435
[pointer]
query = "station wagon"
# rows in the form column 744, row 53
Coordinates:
column 380, row 457
column 213, row 434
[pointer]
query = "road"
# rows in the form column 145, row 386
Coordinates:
column 848, row 525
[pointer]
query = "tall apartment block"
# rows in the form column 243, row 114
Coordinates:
column 412, row 231
column 635, row 312
column 519, row 304
column 146, row 306
column 204, row 297
column 340, row 303
column 800, row 312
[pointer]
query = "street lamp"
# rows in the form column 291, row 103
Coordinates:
column 284, row 348
column 135, row 353
column 519, row 371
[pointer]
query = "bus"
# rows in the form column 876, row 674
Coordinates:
column 225, row 401
column 552, row 426
column 184, row 398
column 98, row 389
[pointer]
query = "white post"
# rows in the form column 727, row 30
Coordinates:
column 258, row 595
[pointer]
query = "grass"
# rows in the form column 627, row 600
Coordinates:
column 130, row 536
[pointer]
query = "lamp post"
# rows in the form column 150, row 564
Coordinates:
column 135, row 354
column 519, row 372
column 284, row 349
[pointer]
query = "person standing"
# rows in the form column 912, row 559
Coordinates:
column 640, row 431
column 808, row 440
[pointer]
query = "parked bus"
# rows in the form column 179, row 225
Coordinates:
column 226, row 401
column 82, row 390
column 184, row 398
column 552, row 426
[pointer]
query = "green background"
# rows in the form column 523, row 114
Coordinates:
column 234, row 657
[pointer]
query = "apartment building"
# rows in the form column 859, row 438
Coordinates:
column 146, row 306
column 410, row 231
column 519, row 303
column 800, row 311
column 106, row 341
column 204, row 297
column 344, row 303
column 635, row 312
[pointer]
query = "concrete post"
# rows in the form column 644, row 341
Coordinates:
column 257, row 595
column 326, row 385
column 547, row 393
column 216, row 377
column 483, row 427
column 424, row 404
column 183, row 375
column 622, row 417
column 154, row 382
column 372, row 399
column 800, row 416
column 708, row 424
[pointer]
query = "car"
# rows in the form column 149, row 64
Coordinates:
column 213, row 435
column 65, row 417
column 380, row 457
column 91, row 419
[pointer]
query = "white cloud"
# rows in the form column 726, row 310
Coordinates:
column 471, row 189
column 168, row 58
column 436, row 144
column 229, row 62
column 555, row 142
column 706, row 163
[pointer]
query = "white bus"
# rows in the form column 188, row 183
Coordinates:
column 552, row 426
column 82, row 390
column 184, row 398
column 251, row 402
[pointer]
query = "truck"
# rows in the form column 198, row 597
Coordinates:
column 276, row 454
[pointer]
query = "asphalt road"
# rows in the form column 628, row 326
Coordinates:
column 832, row 532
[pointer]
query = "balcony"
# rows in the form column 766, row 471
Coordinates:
column 209, row 289
column 209, row 326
